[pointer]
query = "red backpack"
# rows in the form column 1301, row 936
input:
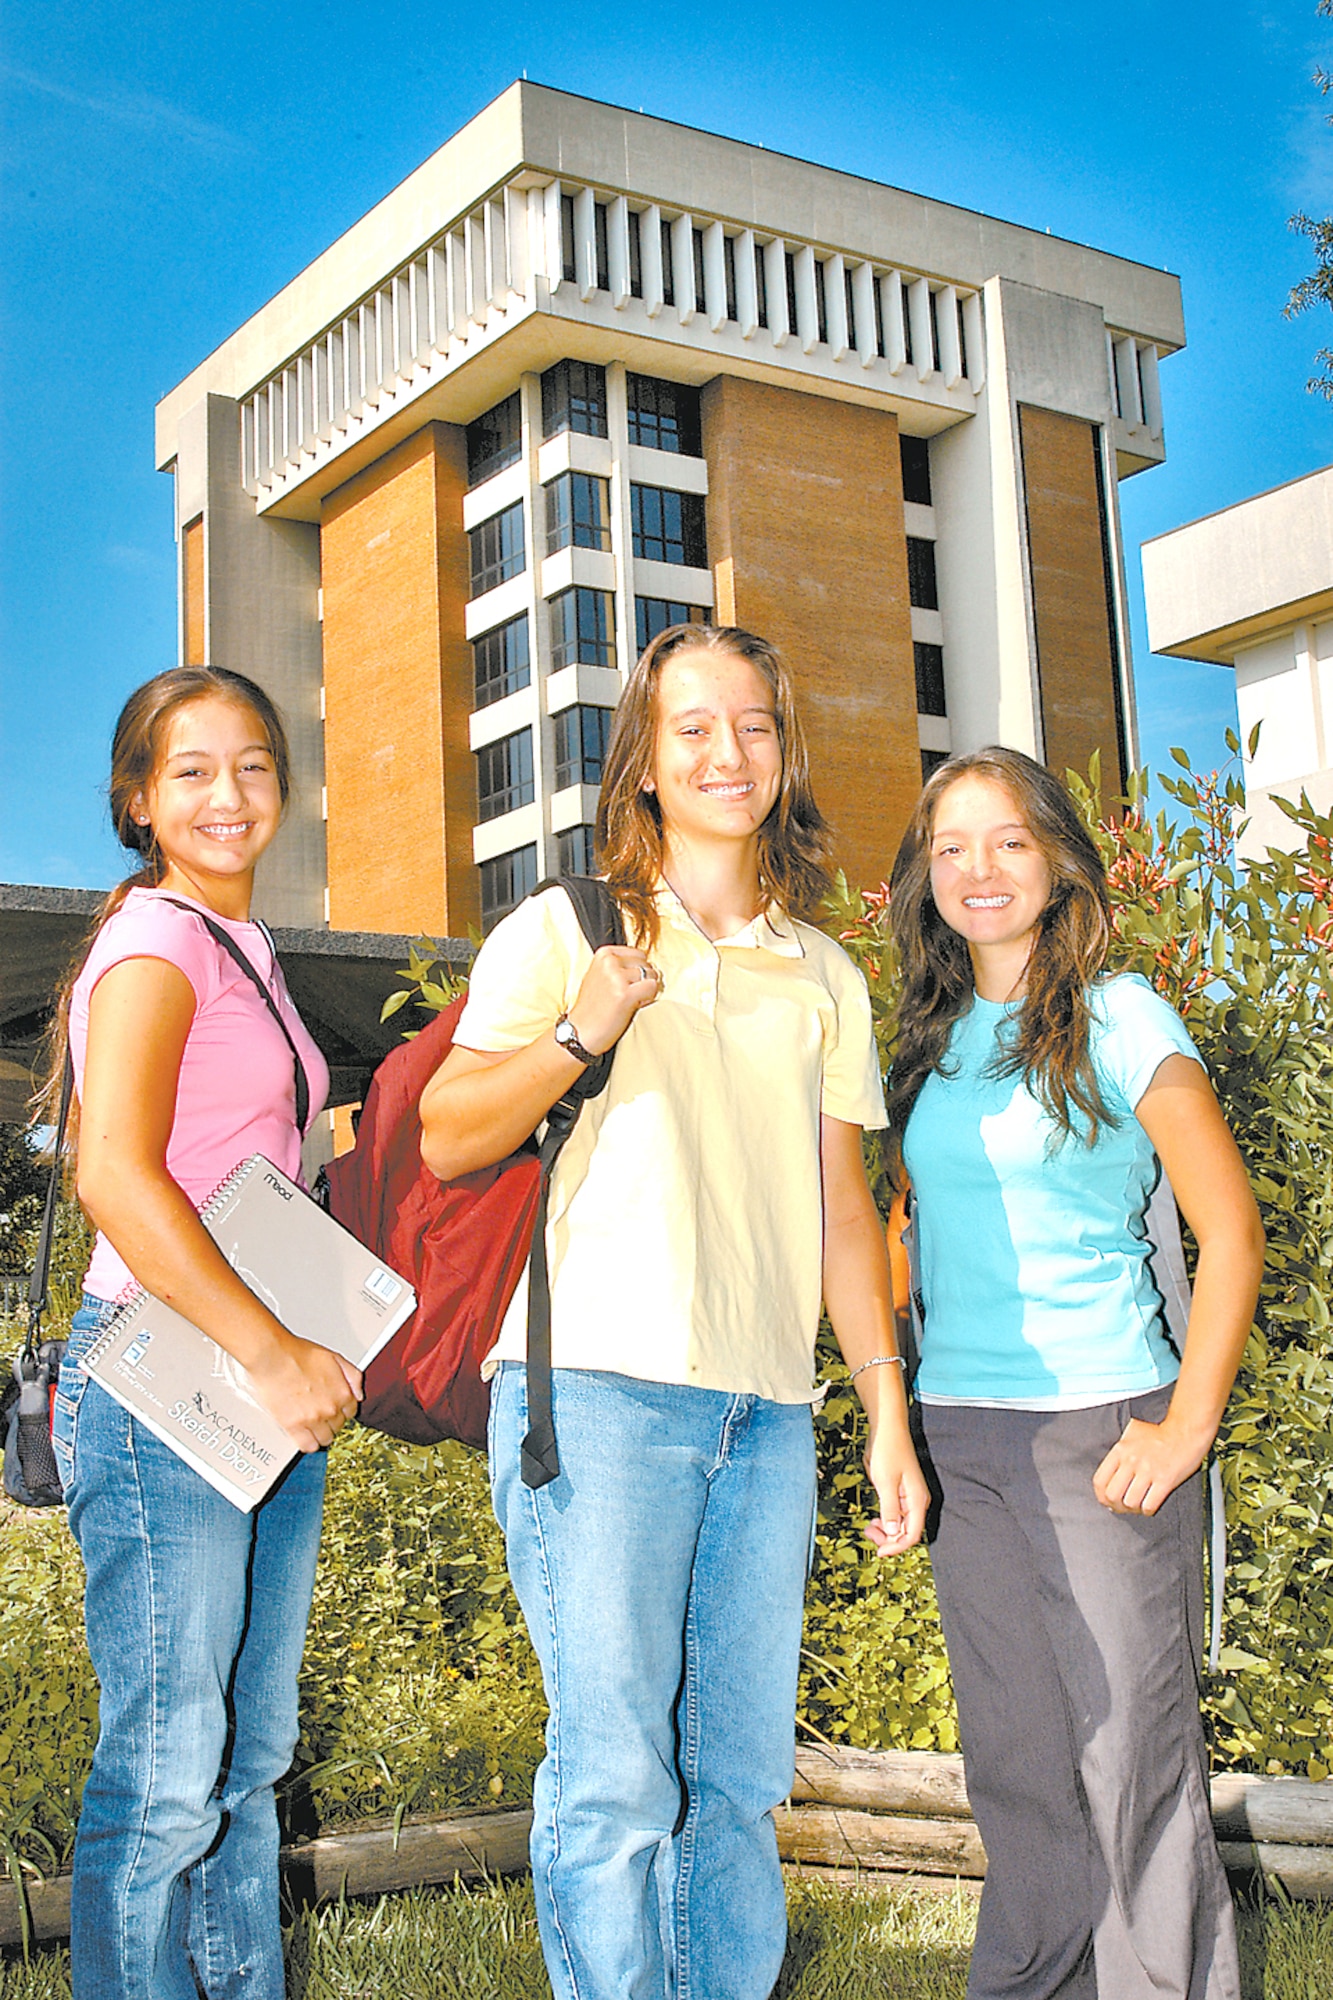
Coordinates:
column 462, row 1244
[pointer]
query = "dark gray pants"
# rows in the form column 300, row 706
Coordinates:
column 1074, row 1636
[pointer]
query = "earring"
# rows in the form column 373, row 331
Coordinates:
column 141, row 819
column 648, row 786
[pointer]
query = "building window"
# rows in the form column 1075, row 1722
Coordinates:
column 915, row 455
column 506, row 880
column 583, row 628
column 849, row 290
column 793, row 322
column 729, row 273
column 635, row 221
column 697, row 259
column 578, row 512
column 922, row 589
column 654, row 614
column 504, row 775
column 574, row 399
column 498, row 550
column 668, row 526
column 931, row 761
column 929, row 679
column 494, row 441
column 664, row 415
column 500, row 661
column 760, row 285
column 821, row 303
column 576, row 853
column 581, row 737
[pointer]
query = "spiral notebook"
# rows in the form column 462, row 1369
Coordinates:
column 310, row 1272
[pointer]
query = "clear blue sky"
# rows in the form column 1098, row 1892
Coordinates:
column 172, row 166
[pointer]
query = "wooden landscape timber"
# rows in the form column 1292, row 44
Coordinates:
column 869, row 1811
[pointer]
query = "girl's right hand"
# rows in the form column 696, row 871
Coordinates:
column 617, row 984
column 309, row 1389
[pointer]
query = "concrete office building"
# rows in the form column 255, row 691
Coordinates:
column 586, row 372
column 1251, row 588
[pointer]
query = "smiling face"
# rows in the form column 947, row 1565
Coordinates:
column 213, row 801
column 989, row 879
column 717, row 764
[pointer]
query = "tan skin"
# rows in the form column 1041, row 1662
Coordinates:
column 717, row 772
column 214, row 804
column 990, row 881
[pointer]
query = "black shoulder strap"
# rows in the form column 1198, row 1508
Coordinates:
column 601, row 923
column 41, row 1263
column 233, row 950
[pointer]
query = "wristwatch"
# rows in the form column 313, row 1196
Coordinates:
column 567, row 1036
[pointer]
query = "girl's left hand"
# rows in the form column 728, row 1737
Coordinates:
column 901, row 1490
column 1145, row 1467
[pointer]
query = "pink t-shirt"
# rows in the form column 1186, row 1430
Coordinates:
column 237, row 1089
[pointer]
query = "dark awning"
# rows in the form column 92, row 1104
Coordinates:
column 338, row 979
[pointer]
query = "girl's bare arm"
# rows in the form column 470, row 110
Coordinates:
column 139, row 1018
column 859, row 1300
column 1182, row 1117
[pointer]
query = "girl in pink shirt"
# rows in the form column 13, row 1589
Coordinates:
column 196, row 1612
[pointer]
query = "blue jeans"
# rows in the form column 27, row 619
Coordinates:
column 196, row 1617
column 662, row 1577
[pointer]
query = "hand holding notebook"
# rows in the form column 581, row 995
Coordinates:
column 312, row 1275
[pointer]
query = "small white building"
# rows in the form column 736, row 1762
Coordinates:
column 1251, row 587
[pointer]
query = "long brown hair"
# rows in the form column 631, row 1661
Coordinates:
column 136, row 750
column 1049, row 1045
column 793, row 840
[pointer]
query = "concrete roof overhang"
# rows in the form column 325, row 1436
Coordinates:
column 338, row 979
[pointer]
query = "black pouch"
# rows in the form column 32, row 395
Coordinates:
column 31, row 1475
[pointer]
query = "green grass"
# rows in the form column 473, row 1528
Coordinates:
column 859, row 1942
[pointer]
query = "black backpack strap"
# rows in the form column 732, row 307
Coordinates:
column 601, row 923
column 233, row 951
column 39, row 1281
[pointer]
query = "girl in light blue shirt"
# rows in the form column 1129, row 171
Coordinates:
column 1031, row 1099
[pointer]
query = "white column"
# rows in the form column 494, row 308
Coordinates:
column 497, row 259
column 650, row 260
column 682, row 261
column 863, row 295
column 1152, row 389
column 339, row 395
column 518, row 260
column 617, row 251
column 807, row 301
column 747, row 291
column 617, row 428
column 975, row 327
column 715, row 276
column 891, row 305
column 402, row 323
column 585, row 242
column 951, row 346
column 775, row 284
column 441, row 317
column 474, row 236
column 455, row 251
column 835, row 306
column 923, row 347
column 555, row 255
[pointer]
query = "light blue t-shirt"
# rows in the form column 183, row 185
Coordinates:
column 1034, row 1257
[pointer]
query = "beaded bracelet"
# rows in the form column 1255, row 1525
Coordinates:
column 877, row 1361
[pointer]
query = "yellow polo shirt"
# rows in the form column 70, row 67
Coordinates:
column 685, row 1219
